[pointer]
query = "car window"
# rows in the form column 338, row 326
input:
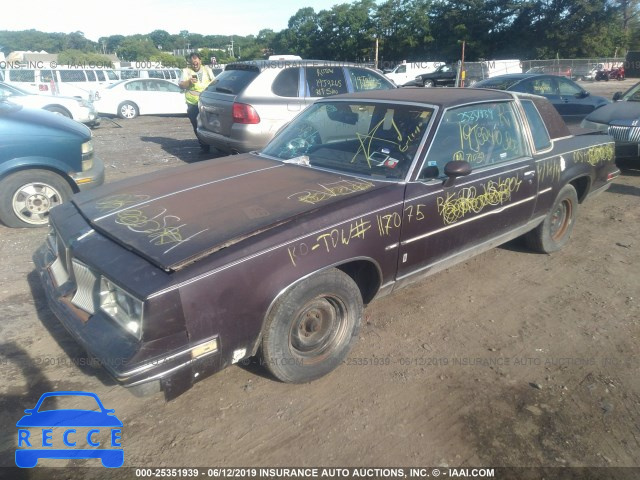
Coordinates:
column 566, row 87
column 481, row 134
column 402, row 69
column 165, row 87
column 539, row 131
column 46, row 75
column 72, row 76
column 543, row 86
column 100, row 75
column 363, row 79
column 135, row 86
column 22, row 75
column 362, row 138
column 234, row 79
column 111, row 75
column 155, row 74
column 129, row 74
column 286, row 83
column 91, row 75
column 325, row 81
column 151, row 86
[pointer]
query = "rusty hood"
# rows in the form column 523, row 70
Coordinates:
column 177, row 216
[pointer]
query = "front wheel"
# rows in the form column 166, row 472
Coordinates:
column 26, row 197
column 554, row 232
column 312, row 326
column 428, row 83
column 128, row 110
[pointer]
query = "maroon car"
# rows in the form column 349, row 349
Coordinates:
column 172, row 276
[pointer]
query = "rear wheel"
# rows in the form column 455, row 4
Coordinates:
column 26, row 197
column 312, row 327
column 128, row 110
column 554, row 232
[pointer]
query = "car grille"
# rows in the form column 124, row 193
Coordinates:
column 82, row 279
column 625, row 134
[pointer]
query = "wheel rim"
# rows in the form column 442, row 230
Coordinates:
column 128, row 111
column 561, row 219
column 32, row 202
column 319, row 328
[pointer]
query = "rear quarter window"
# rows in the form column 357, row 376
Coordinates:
column 363, row 80
column 233, row 80
column 286, row 83
column 325, row 81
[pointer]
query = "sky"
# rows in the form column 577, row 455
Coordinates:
column 128, row 17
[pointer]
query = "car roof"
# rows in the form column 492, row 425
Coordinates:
column 268, row 64
column 443, row 97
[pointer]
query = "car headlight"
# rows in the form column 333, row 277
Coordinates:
column 121, row 306
column 87, row 155
column 602, row 127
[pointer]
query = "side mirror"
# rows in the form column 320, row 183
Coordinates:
column 617, row 96
column 582, row 94
column 455, row 169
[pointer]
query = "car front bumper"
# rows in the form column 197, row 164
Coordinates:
column 91, row 178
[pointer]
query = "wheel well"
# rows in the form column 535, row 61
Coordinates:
column 58, row 107
column 72, row 184
column 366, row 275
column 581, row 184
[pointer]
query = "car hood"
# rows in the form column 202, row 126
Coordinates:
column 177, row 216
column 30, row 116
column 615, row 111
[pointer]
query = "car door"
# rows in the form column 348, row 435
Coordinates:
column 168, row 97
column 575, row 103
column 445, row 220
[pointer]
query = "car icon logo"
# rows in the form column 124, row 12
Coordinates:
column 40, row 428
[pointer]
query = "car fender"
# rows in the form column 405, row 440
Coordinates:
column 338, row 265
column 44, row 163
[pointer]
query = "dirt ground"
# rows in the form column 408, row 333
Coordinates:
column 510, row 359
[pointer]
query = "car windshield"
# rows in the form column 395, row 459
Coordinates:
column 633, row 94
column 113, row 85
column 361, row 138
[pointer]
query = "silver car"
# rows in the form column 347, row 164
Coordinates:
column 247, row 104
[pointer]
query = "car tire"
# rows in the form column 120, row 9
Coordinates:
column 554, row 232
column 128, row 110
column 59, row 111
column 27, row 196
column 428, row 83
column 312, row 327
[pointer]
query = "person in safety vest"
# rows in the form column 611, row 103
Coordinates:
column 194, row 80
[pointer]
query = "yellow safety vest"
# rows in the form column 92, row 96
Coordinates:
column 193, row 93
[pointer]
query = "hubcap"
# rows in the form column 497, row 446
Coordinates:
column 32, row 202
column 128, row 111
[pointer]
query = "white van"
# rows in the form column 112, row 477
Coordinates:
column 81, row 83
column 171, row 74
column 406, row 72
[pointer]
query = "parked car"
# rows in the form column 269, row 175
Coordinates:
column 243, row 108
column 44, row 159
column 571, row 100
column 621, row 119
column 169, row 278
column 406, row 72
column 443, row 76
column 130, row 98
column 171, row 74
column 584, row 72
column 78, row 109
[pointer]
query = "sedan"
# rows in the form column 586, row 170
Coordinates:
column 130, row 98
column 571, row 100
column 621, row 120
column 78, row 109
column 170, row 277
